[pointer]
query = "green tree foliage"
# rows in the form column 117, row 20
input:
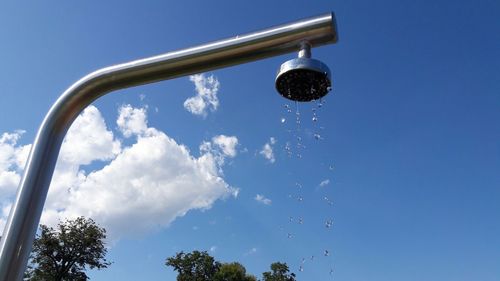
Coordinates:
column 279, row 272
column 65, row 253
column 195, row 266
column 200, row 266
column 233, row 272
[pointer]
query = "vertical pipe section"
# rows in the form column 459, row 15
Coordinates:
column 305, row 50
column 25, row 214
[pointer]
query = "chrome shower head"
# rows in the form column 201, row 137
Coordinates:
column 303, row 78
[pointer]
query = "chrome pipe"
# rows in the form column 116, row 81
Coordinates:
column 305, row 50
column 24, row 217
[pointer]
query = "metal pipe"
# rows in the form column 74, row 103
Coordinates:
column 25, row 214
column 305, row 50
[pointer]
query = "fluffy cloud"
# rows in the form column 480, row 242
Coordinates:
column 261, row 199
column 267, row 150
column 12, row 161
column 251, row 252
column 226, row 144
column 132, row 121
column 206, row 98
column 324, row 182
column 4, row 214
column 140, row 187
column 88, row 139
column 221, row 147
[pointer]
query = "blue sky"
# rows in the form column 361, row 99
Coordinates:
column 411, row 131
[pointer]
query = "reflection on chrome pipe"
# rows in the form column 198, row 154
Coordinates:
column 24, row 216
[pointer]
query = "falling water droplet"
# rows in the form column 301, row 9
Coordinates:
column 315, row 118
column 331, row 271
column 329, row 223
column 328, row 89
column 301, row 221
column 312, row 258
column 290, row 219
column 331, row 168
column 300, row 199
column 283, row 119
column 317, row 136
column 326, row 253
column 301, row 268
column 289, row 235
column 330, row 202
column 297, row 112
column 303, row 260
column 298, row 185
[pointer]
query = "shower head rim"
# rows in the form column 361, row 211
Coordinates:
column 316, row 69
column 303, row 63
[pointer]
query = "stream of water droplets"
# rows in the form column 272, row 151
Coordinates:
column 298, row 134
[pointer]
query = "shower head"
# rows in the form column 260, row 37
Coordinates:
column 303, row 78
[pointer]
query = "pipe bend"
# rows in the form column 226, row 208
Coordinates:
column 25, row 213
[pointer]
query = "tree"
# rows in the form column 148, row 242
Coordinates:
column 64, row 254
column 200, row 266
column 195, row 266
column 233, row 272
column 280, row 272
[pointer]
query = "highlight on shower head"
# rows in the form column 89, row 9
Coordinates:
column 303, row 79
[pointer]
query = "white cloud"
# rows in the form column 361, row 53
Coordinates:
column 12, row 161
column 8, row 181
column 147, row 184
column 206, row 98
column 221, row 147
column 226, row 144
column 261, row 199
column 132, row 121
column 324, row 182
column 88, row 139
column 267, row 150
column 251, row 251
column 4, row 214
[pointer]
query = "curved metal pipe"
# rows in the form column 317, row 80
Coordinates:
column 25, row 214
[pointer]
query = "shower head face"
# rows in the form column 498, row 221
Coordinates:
column 303, row 79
